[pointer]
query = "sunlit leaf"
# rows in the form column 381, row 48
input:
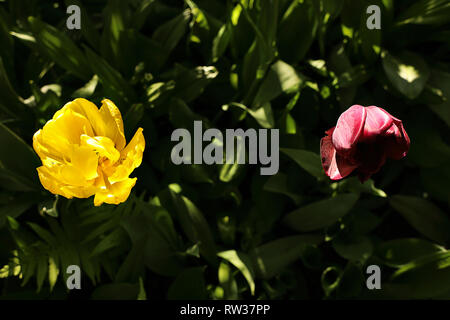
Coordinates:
column 242, row 262
column 407, row 71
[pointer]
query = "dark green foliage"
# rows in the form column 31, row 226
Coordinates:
column 225, row 231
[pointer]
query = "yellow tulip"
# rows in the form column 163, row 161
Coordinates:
column 84, row 153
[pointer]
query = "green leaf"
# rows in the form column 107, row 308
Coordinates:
column 108, row 76
column 308, row 160
column 429, row 149
column 15, row 207
column 351, row 282
column 190, row 83
column 112, row 240
column 354, row 185
column 356, row 248
column 320, row 214
column 433, row 12
column 424, row 216
column 133, row 264
column 181, row 115
column 443, row 111
column 193, row 223
column 407, row 71
column 142, row 12
column 113, row 31
column 154, row 241
column 188, row 285
column 142, row 295
column 171, row 32
column 263, row 114
column 28, row 270
column 42, row 269
column 399, row 252
column 229, row 171
column 271, row 258
column 116, row 291
column 87, row 90
column 363, row 222
column 425, row 277
column 440, row 83
column 132, row 118
column 241, row 261
column 146, row 50
column 268, row 20
column 10, row 101
column 330, row 279
column 59, row 47
column 44, row 234
column 53, row 271
column 435, row 181
column 355, row 76
column 301, row 17
column 278, row 184
column 280, row 78
column 227, row 281
column 257, row 58
column 19, row 163
column 221, row 41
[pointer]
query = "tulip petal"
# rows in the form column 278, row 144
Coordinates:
column 90, row 111
column 86, row 161
column 335, row 166
column 116, row 193
column 377, row 121
column 84, row 153
column 65, row 130
column 397, row 141
column 49, row 155
column 71, row 175
column 349, row 128
column 51, row 182
column 371, row 156
column 131, row 157
column 105, row 122
column 103, row 145
column 113, row 123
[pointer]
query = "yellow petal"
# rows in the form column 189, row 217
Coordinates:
column 53, row 184
column 82, row 147
column 86, row 161
column 64, row 131
column 79, row 192
column 50, row 183
column 90, row 112
column 46, row 152
column 116, row 193
column 113, row 123
column 130, row 157
column 103, row 145
column 71, row 175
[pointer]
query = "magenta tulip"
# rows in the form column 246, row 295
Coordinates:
column 361, row 141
